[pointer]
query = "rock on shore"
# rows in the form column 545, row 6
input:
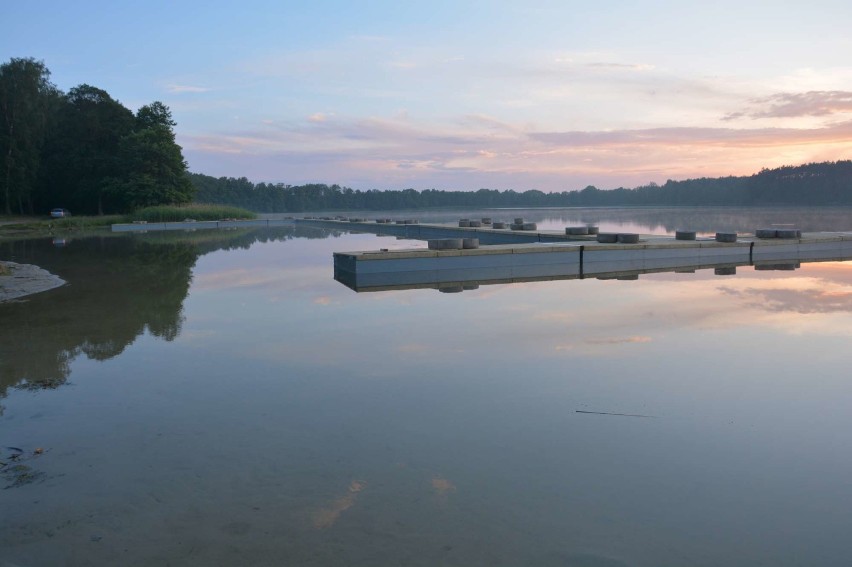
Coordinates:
column 25, row 279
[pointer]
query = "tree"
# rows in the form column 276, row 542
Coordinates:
column 27, row 101
column 83, row 152
column 153, row 168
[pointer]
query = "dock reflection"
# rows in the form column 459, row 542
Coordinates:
column 459, row 280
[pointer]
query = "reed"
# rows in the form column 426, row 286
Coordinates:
column 178, row 213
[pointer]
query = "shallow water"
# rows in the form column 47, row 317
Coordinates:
column 216, row 398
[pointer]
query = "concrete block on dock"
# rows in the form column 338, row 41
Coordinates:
column 787, row 233
column 592, row 229
column 529, row 226
column 627, row 238
column 786, row 266
column 519, row 220
column 450, row 288
column 475, row 223
column 607, row 237
column 486, row 220
column 447, row 244
column 498, row 225
column 726, row 237
column 685, row 235
column 576, row 230
column 464, row 223
column 470, row 243
column 766, row 233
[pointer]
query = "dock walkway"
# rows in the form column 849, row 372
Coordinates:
column 198, row 225
column 513, row 256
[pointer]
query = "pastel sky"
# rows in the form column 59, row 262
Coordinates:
column 549, row 95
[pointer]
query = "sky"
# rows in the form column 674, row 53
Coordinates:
column 461, row 95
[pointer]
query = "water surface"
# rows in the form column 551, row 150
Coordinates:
column 217, row 398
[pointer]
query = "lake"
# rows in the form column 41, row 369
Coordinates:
column 216, row 398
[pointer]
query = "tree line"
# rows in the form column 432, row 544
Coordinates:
column 82, row 150
column 827, row 183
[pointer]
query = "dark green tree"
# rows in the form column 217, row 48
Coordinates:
column 153, row 170
column 27, row 101
column 83, row 157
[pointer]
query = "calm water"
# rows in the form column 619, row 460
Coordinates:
column 216, row 398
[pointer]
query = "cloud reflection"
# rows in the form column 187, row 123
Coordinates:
column 619, row 340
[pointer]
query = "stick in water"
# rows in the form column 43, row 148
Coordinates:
column 623, row 414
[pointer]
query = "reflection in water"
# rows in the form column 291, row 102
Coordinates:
column 368, row 278
column 118, row 287
column 328, row 516
column 657, row 220
column 291, row 421
column 704, row 220
column 830, row 293
column 442, row 487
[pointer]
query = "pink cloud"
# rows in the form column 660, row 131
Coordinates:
column 791, row 105
column 479, row 151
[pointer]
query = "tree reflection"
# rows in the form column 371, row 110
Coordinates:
column 118, row 288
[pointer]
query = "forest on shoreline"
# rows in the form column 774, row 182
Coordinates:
column 84, row 151
column 826, row 183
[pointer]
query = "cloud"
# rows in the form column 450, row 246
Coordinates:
column 179, row 89
column 619, row 340
column 414, row 348
column 794, row 105
column 526, row 119
column 370, row 38
column 734, row 137
column 476, row 150
column 622, row 66
column 403, row 64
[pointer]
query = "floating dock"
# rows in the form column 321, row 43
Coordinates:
column 548, row 255
column 198, row 225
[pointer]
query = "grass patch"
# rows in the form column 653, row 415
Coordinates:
column 84, row 222
column 45, row 226
column 178, row 213
column 43, row 223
